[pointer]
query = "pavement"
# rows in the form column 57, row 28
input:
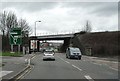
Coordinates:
column 13, row 65
column 63, row 68
column 108, row 61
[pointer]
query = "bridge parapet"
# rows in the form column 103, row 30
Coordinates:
column 60, row 36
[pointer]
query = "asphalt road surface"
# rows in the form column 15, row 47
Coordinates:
column 63, row 68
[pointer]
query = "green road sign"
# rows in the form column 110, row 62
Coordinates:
column 15, row 36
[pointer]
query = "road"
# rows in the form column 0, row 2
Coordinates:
column 63, row 68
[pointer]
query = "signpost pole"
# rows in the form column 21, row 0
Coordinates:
column 11, row 47
column 18, row 48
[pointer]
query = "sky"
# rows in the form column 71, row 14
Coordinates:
column 65, row 16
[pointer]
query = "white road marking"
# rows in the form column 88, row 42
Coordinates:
column 67, row 62
column 3, row 73
column 107, row 61
column 26, row 61
column 97, row 64
column 76, row 67
column 83, row 60
column 115, row 62
column 64, row 60
column 88, row 78
column 61, row 58
column 113, row 68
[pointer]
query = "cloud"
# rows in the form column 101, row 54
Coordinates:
column 29, row 6
column 97, row 8
column 106, row 9
column 59, row 0
column 66, row 16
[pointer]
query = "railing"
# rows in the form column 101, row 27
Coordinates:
column 58, row 33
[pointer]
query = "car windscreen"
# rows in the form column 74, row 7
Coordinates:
column 49, row 52
column 75, row 50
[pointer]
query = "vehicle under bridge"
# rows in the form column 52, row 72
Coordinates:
column 65, row 37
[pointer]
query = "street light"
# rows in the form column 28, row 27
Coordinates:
column 35, row 26
column 35, row 36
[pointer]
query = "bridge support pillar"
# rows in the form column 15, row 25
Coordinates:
column 38, row 43
column 65, row 45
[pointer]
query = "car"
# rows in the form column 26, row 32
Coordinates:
column 48, row 55
column 73, row 52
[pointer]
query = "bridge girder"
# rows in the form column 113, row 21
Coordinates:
column 65, row 37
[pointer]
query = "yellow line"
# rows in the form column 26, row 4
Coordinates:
column 33, row 57
column 25, row 73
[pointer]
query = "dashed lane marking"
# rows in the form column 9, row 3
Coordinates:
column 61, row 58
column 88, row 78
column 97, row 64
column 67, row 62
column 83, row 60
column 113, row 68
column 64, row 60
column 72, row 64
column 76, row 67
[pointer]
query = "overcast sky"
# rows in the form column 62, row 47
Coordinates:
column 66, row 16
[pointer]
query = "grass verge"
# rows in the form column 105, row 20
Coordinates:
column 16, row 54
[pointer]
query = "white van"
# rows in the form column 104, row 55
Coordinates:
column 73, row 52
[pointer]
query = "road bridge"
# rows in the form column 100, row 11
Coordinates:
column 65, row 37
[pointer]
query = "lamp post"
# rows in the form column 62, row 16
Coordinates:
column 35, row 26
column 35, row 36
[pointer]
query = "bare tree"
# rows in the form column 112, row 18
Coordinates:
column 3, row 18
column 87, row 27
column 8, row 20
column 24, row 26
column 11, row 21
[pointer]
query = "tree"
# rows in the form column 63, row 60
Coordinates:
column 87, row 27
column 24, row 26
column 3, row 18
column 11, row 21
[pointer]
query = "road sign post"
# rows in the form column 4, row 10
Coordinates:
column 11, row 48
column 15, row 38
column 18, row 48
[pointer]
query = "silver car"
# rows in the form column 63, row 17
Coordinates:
column 73, row 52
column 48, row 55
